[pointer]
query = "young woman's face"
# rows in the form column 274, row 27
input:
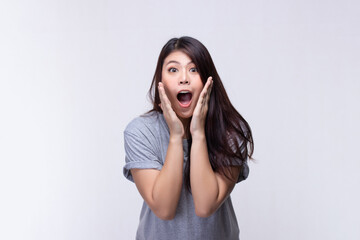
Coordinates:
column 182, row 83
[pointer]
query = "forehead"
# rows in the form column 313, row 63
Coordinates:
column 177, row 57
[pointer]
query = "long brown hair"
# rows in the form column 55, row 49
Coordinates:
column 228, row 135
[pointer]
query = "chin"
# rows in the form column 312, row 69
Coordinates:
column 185, row 115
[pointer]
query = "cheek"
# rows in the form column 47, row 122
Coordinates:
column 199, row 85
column 170, row 93
column 198, row 81
column 166, row 80
column 167, row 91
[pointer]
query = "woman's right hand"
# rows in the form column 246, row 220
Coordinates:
column 175, row 125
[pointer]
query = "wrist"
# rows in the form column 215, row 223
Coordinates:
column 175, row 138
column 198, row 136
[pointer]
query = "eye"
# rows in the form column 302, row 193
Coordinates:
column 193, row 69
column 172, row 69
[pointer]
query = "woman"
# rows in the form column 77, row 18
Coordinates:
column 187, row 153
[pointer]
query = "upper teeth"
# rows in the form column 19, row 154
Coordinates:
column 184, row 91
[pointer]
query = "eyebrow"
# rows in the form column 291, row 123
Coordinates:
column 173, row 61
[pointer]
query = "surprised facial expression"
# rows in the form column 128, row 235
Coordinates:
column 182, row 83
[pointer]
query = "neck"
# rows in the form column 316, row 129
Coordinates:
column 186, row 125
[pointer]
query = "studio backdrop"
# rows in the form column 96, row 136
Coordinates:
column 74, row 73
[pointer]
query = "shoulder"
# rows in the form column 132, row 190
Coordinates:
column 147, row 125
column 144, row 121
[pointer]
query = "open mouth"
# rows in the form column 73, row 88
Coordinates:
column 184, row 98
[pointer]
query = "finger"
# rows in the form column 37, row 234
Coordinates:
column 204, row 91
column 207, row 90
column 165, row 102
column 164, row 97
column 202, row 96
column 208, row 84
column 162, row 94
column 211, row 84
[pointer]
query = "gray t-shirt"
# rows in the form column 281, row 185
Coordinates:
column 146, row 140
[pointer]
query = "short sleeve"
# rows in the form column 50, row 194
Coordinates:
column 243, row 163
column 244, row 172
column 139, row 153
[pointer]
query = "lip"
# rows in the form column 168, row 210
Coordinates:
column 189, row 103
column 186, row 90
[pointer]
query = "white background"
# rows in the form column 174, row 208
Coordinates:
column 74, row 73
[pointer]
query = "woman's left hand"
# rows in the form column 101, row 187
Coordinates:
column 197, row 125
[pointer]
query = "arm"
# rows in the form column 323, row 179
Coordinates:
column 161, row 189
column 209, row 189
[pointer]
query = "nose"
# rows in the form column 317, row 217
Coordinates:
column 184, row 79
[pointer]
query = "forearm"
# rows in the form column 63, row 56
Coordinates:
column 204, row 184
column 167, row 187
